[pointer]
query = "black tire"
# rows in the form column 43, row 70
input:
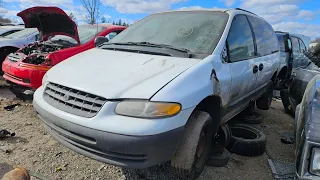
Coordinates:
column 4, row 52
column 219, row 160
column 222, row 139
column 285, row 101
column 264, row 102
column 253, row 118
column 247, row 141
column 194, row 148
column 16, row 92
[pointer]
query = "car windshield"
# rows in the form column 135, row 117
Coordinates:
column 21, row 34
column 86, row 33
column 197, row 31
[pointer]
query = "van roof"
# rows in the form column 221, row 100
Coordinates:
column 212, row 10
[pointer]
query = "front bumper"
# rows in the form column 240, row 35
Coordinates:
column 19, row 74
column 116, row 149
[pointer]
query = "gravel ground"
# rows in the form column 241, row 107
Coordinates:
column 35, row 150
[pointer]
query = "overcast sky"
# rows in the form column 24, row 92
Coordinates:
column 298, row 16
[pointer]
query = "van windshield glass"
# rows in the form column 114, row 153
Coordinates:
column 197, row 31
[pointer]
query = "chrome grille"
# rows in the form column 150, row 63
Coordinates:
column 73, row 101
column 13, row 57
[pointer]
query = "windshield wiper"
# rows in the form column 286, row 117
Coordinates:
column 148, row 44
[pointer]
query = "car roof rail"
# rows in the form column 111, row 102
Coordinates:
column 245, row 11
column 281, row 32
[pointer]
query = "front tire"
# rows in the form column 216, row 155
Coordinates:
column 195, row 147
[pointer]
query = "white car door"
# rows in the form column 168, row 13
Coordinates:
column 267, row 51
column 243, row 70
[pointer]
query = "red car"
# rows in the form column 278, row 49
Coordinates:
column 61, row 39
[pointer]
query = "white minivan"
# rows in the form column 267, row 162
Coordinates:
column 160, row 90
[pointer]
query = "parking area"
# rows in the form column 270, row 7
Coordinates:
column 35, row 150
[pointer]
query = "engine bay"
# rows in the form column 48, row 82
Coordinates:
column 36, row 53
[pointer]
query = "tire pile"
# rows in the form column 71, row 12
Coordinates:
column 241, row 139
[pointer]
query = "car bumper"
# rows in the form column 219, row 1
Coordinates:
column 116, row 149
column 27, row 76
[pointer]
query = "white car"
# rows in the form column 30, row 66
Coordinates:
column 160, row 89
column 19, row 39
column 12, row 42
column 7, row 30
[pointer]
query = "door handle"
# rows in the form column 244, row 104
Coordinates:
column 255, row 69
column 260, row 67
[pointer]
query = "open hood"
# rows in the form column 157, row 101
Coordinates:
column 50, row 21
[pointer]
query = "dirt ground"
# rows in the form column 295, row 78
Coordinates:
column 35, row 150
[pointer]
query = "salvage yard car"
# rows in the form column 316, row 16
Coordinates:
column 160, row 90
column 13, row 42
column 307, row 131
column 7, row 30
column 292, row 49
column 25, row 68
column 301, row 76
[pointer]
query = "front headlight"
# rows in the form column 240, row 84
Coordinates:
column 44, row 79
column 315, row 162
column 147, row 109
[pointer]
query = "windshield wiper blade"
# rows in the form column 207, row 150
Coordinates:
column 162, row 46
column 148, row 44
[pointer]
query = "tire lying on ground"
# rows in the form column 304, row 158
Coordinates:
column 222, row 139
column 219, row 159
column 247, row 140
column 252, row 118
column 195, row 147
column 286, row 102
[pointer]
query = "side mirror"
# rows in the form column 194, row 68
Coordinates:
column 100, row 40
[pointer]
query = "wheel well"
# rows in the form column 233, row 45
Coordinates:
column 9, row 48
column 4, row 51
column 283, row 73
column 212, row 105
column 274, row 76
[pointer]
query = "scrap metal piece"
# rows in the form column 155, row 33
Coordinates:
column 11, row 107
column 5, row 133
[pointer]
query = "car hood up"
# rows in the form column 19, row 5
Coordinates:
column 118, row 75
column 50, row 21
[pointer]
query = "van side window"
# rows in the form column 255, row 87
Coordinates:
column 281, row 43
column 295, row 44
column 289, row 43
column 266, row 40
column 240, row 40
column 302, row 46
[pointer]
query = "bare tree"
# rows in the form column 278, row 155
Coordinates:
column 316, row 40
column 72, row 17
column 92, row 8
column 3, row 19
